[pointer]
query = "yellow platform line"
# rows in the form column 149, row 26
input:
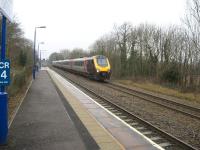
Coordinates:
column 102, row 137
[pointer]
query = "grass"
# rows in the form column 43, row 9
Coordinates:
column 191, row 96
column 15, row 99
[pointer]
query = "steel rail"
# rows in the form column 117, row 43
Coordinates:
column 165, row 99
column 196, row 110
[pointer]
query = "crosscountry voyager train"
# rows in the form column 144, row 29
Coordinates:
column 95, row 67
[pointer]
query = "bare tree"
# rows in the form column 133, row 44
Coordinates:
column 123, row 34
column 78, row 53
column 192, row 21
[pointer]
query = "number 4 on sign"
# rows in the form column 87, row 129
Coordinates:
column 3, row 74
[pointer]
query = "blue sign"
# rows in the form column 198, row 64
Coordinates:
column 4, row 72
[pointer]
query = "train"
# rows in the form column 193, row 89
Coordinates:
column 95, row 67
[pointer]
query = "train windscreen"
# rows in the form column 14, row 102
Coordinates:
column 102, row 61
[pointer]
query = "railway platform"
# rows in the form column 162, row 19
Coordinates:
column 57, row 115
column 43, row 123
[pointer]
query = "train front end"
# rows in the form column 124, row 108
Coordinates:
column 103, row 69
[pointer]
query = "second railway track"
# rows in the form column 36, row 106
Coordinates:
column 175, row 106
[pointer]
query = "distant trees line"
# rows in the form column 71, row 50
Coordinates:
column 169, row 55
column 68, row 54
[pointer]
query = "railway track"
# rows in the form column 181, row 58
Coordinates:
column 169, row 104
column 159, row 136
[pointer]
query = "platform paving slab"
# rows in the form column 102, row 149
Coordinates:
column 42, row 122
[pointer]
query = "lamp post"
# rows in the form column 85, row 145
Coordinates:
column 34, row 67
column 39, row 53
column 41, row 58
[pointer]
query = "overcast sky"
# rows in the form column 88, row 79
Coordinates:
column 78, row 23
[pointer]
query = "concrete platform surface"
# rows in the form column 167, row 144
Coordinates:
column 102, row 137
column 42, row 122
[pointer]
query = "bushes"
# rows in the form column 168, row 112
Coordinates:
column 22, row 58
column 19, row 80
column 170, row 74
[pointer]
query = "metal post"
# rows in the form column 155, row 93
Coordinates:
column 38, row 53
column 3, row 44
column 3, row 94
column 40, row 59
column 34, row 55
column 34, row 66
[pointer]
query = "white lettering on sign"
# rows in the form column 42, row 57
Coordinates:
column 4, row 65
column 6, row 8
column 3, row 74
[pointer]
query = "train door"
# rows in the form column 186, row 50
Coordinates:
column 90, row 68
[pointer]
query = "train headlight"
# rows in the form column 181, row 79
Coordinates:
column 97, row 70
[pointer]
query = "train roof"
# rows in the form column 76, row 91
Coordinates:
column 77, row 59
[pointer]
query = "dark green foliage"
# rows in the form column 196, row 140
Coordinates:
column 171, row 74
column 19, row 79
column 123, row 59
column 133, row 63
column 22, row 58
